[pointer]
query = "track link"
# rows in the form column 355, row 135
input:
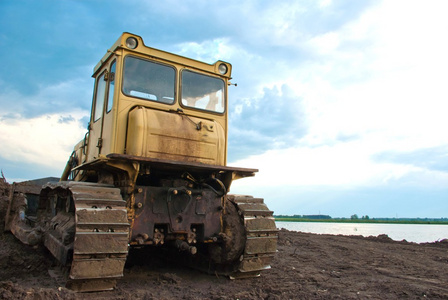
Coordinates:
column 261, row 236
column 100, row 243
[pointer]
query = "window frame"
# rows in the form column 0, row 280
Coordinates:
column 109, row 98
column 224, row 93
column 175, row 83
column 95, row 107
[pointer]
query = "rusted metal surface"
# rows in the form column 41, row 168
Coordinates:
column 57, row 248
column 184, row 140
column 92, row 285
column 100, row 244
column 246, row 244
column 164, row 212
column 97, row 243
column 183, row 166
column 261, row 236
column 96, row 268
column 16, row 219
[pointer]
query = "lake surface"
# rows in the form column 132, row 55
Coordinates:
column 418, row 233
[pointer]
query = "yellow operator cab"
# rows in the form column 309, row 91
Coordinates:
column 156, row 104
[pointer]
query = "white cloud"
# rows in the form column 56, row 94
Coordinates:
column 45, row 140
column 210, row 50
column 375, row 85
column 41, row 129
column 344, row 165
column 75, row 93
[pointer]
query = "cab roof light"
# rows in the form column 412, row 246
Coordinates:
column 222, row 68
column 131, row 42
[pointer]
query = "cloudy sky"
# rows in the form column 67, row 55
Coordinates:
column 342, row 105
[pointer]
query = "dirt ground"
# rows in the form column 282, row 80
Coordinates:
column 307, row 266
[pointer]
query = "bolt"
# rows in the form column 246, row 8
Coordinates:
column 139, row 205
column 188, row 192
column 140, row 190
column 174, row 192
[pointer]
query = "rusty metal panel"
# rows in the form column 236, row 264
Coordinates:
column 261, row 222
column 176, row 208
column 173, row 165
column 254, row 208
column 259, row 245
column 98, row 193
column 97, row 268
column 91, row 285
column 201, row 206
column 100, row 215
column 244, row 198
column 255, row 264
column 98, row 243
column 182, row 140
column 59, row 250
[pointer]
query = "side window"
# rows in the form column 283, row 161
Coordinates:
column 99, row 100
column 110, row 98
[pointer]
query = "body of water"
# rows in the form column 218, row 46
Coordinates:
column 418, row 233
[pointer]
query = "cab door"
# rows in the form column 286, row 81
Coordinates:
column 100, row 140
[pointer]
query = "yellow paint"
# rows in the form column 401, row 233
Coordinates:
column 155, row 129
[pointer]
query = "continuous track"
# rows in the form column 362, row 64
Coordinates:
column 100, row 243
column 99, row 233
column 261, row 236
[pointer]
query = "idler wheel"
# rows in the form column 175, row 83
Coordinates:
column 233, row 237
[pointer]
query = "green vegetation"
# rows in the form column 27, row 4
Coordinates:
column 364, row 219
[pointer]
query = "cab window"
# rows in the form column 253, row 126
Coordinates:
column 149, row 80
column 202, row 92
column 110, row 98
column 99, row 97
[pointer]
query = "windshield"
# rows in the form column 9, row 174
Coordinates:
column 202, row 91
column 148, row 80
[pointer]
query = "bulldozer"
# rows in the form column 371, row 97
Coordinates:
column 151, row 171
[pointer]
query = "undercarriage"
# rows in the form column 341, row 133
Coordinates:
column 90, row 227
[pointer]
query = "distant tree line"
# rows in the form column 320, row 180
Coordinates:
column 310, row 217
column 356, row 218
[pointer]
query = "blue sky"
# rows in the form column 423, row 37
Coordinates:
column 342, row 105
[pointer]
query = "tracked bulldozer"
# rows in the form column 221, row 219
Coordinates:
column 150, row 172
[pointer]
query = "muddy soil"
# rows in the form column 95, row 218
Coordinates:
column 307, row 266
